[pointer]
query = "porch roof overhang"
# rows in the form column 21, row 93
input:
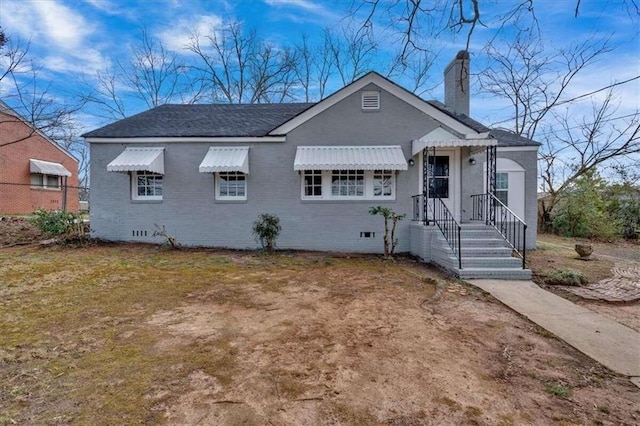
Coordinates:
column 226, row 159
column 376, row 157
column 136, row 159
column 440, row 138
column 48, row 168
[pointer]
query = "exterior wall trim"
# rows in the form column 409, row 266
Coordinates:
column 163, row 139
column 516, row 148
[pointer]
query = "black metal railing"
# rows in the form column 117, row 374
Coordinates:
column 442, row 218
column 513, row 229
column 419, row 209
column 448, row 225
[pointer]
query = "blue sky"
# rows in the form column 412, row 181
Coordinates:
column 73, row 37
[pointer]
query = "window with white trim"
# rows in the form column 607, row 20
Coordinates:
column 312, row 183
column 502, row 187
column 146, row 186
column 348, row 185
column 370, row 100
column 382, row 183
column 39, row 180
column 231, row 186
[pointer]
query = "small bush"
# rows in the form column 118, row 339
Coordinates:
column 55, row 223
column 266, row 230
column 567, row 277
column 558, row 390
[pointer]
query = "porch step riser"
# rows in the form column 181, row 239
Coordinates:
column 482, row 242
column 479, row 234
column 491, row 262
column 499, row 274
column 486, row 252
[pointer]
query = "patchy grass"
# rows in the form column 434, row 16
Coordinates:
column 130, row 334
column 555, row 253
column 559, row 390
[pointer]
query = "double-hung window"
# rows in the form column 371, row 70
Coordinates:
column 39, row 180
column 312, row 184
column 146, row 185
column 502, row 187
column 231, row 186
column 348, row 185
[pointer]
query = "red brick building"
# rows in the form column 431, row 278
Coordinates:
column 34, row 171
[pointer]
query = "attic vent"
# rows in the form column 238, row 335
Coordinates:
column 370, row 101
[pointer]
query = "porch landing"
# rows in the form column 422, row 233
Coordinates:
column 484, row 253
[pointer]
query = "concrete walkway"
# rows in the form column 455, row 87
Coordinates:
column 611, row 344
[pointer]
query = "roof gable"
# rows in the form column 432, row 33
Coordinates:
column 7, row 110
column 449, row 120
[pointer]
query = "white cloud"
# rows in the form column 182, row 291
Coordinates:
column 179, row 35
column 60, row 42
column 57, row 25
column 65, row 27
column 309, row 8
column 303, row 4
column 87, row 61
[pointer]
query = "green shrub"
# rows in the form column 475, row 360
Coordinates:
column 55, row 223
column 623, row 203
column 266, row 230
column 567, row 277
column 584, row 212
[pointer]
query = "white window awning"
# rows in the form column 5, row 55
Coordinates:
column 350, row 158
column 440, row 138
column 139, row 160
column 48, row 168
column 226, row 159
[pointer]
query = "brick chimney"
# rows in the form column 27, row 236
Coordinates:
column 456, row 83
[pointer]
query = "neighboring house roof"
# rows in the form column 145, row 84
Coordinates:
column 509, row 138
column 6, row 109
column 211, row 120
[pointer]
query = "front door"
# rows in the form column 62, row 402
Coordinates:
column 443, row 171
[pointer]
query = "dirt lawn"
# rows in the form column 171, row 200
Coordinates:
column 133, row 334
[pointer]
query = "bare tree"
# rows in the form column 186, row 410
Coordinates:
column 239, row 67
column 312, row 68
column 153, row 76
column 579, row 146
column 415, row 69
column 534, row 81
column 31, row 102
column 352, row 53
column 416, row 23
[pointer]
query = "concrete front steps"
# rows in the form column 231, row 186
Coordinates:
column 485, row 254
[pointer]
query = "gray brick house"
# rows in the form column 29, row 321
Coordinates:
column 205, row 172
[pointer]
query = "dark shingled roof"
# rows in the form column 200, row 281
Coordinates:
column 464, row 119
column 211, row 120
column 508, row 138
column 233, row 120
